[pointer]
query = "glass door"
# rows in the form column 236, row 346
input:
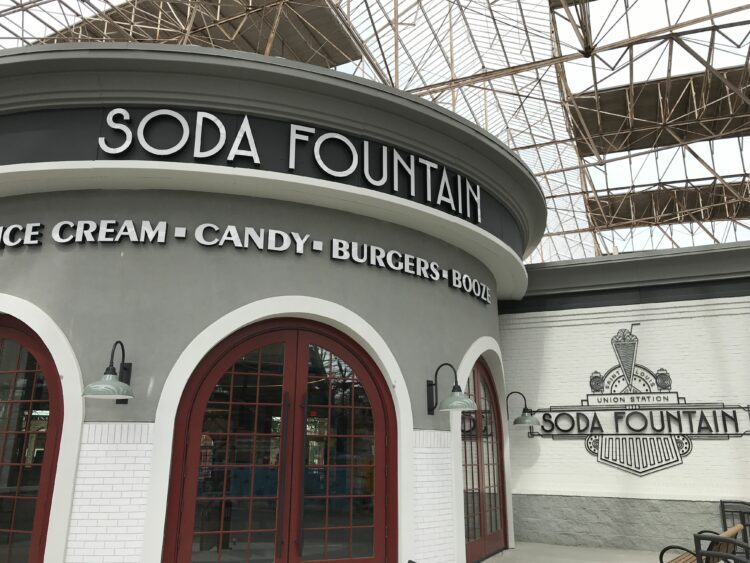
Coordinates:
column 339, row 449
column 484, row 495
column 285, row 457
column 240, row 443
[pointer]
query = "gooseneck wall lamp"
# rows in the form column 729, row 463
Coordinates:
column 110, row 385
column 527, row 417
column 456, row 401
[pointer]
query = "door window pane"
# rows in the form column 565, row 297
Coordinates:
column 262, row 548
column 362, row 542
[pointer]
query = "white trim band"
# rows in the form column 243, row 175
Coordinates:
column 510, row 275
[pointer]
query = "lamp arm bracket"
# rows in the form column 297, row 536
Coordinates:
column 507, row 408
column 455, row 373
column 112, row 355
column 432, row 393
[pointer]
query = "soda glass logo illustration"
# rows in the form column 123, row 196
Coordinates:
column 633, row 421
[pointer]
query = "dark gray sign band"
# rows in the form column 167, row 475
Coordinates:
column 72, row 135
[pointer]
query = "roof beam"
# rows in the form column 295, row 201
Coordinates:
column 346, row 24
column 709, row 67
column 655, row 35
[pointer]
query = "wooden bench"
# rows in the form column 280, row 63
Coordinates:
column 737, row 512
column 721, row 548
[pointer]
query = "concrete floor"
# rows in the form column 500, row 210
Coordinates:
column 541, row 553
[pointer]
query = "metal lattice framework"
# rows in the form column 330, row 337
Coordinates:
column 633, row 114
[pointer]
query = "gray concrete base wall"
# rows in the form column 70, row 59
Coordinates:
column 624, row 523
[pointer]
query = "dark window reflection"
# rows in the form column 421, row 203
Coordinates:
column 340, row 452
column 216, row 419
column 272, row 359
column 211, row 481
column 315, row 481
column 221, row 392
column 236, row 548
column 362, row 542
column 314, row 513
column 244, row 388
column 341, row 421
column 339, row 544
column 240, row 449
column 363, row 422
column 271, row 389
column 248, row 364
column 6, row 512
column 262, row 548
column 363, row 511
column 364, row 481
column 243, row 418
column 264, row 514
column 364, row 451
column 20, row 545
column 340, row 481
column 314, row 545
column 339, row 511
column 206, row 547
column 317, row 390
column 267, row 450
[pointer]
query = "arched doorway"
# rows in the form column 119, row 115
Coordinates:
column 484, row 482
column 284, row 451
column 31, row 415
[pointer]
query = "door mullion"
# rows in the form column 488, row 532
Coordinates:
column 299, row 537
column 480, row 457
column 286, row 495
column 297, row 457
column 282, row 483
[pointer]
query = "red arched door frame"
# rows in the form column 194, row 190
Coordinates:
column 13, row 329
column 488, row 457
column 186, row 447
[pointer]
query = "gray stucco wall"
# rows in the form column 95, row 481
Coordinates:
column 158, row 298
column 645, row 524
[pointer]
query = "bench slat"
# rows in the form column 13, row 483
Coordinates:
column 732, row 532
column 684, row 558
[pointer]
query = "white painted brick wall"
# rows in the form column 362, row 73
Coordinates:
column 109, row 500
column 433, row 497
column 703, row 344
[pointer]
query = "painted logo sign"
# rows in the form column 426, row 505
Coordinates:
column 632, row 420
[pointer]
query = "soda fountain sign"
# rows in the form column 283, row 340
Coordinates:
column 632, row 420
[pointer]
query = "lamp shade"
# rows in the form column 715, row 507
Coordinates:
column 527, row 419
column 108, row 387
column 457, row 401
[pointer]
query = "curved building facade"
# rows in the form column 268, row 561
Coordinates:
column 287, row 255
